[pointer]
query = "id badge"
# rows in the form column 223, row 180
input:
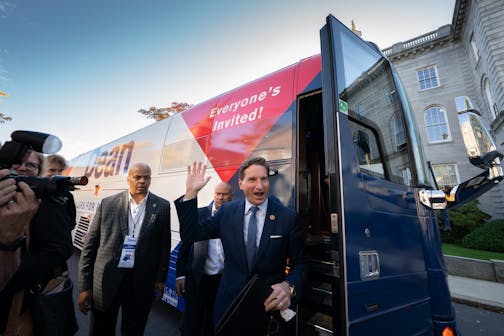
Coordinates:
column 128, row 253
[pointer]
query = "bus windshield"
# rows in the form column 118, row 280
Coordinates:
column 382, row 132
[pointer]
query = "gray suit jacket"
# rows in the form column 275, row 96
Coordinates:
column 102, row 250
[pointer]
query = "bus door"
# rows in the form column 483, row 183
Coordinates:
column 316, row 309
column 379, row 278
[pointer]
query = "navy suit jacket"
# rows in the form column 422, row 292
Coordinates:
column 192, row 257
column 281, row 240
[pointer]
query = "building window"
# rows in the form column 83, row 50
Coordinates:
column 489, row 97
column 437, row 126
column 428, row 78
column 399, row 131
column 406, row 176
column 446, row 175
column 472, row 41
column 391, row 94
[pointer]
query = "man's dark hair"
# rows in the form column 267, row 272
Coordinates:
column 57, row 159
column 258, row 161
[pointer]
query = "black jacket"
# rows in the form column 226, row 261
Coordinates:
column 50, row 245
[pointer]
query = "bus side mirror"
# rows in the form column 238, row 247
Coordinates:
column 481, row 149
column 473, row 188
column 482, row 153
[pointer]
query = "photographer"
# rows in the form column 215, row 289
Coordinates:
column 48, row 245
column 16, row 210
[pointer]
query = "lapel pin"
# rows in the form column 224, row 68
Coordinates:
column 272, row 217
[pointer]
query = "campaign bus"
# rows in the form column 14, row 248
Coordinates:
column 345, row 153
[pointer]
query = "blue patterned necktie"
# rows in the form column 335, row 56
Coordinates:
column 251, row 237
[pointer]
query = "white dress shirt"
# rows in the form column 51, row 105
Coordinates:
column 214, row 263
column 136, row 214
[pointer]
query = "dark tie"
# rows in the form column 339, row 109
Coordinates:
column 251, row 237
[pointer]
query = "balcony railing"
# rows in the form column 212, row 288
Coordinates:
column 418, row 41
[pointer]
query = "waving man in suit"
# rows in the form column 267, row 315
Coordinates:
column 125, row 259
column 275, row 236
column 199, row 269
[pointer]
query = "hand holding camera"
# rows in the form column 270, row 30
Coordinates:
column 16, row 210
column 7, row 187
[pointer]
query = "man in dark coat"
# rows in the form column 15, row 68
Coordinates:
column 275, row 237
column 199, row 269
column 125, row 258
column 47, row 246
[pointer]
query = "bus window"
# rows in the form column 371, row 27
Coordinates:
column 176, row 155
column 367, row 149
column 375, row 115
column 180, row 147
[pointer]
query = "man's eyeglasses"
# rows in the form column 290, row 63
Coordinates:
column 30, row 166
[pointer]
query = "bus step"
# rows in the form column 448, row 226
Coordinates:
column 314, row 323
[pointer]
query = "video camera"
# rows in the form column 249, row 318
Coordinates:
column 16, row 152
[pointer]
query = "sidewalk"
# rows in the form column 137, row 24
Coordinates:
column 485, row 294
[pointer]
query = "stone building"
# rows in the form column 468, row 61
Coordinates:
column 464, row 58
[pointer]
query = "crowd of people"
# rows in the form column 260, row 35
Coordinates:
column 124, row 261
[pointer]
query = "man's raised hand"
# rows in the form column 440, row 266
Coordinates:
column 196, row 179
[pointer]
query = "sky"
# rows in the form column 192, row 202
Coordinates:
column 81, row 69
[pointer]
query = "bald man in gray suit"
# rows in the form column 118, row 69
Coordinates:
column 125, row 258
